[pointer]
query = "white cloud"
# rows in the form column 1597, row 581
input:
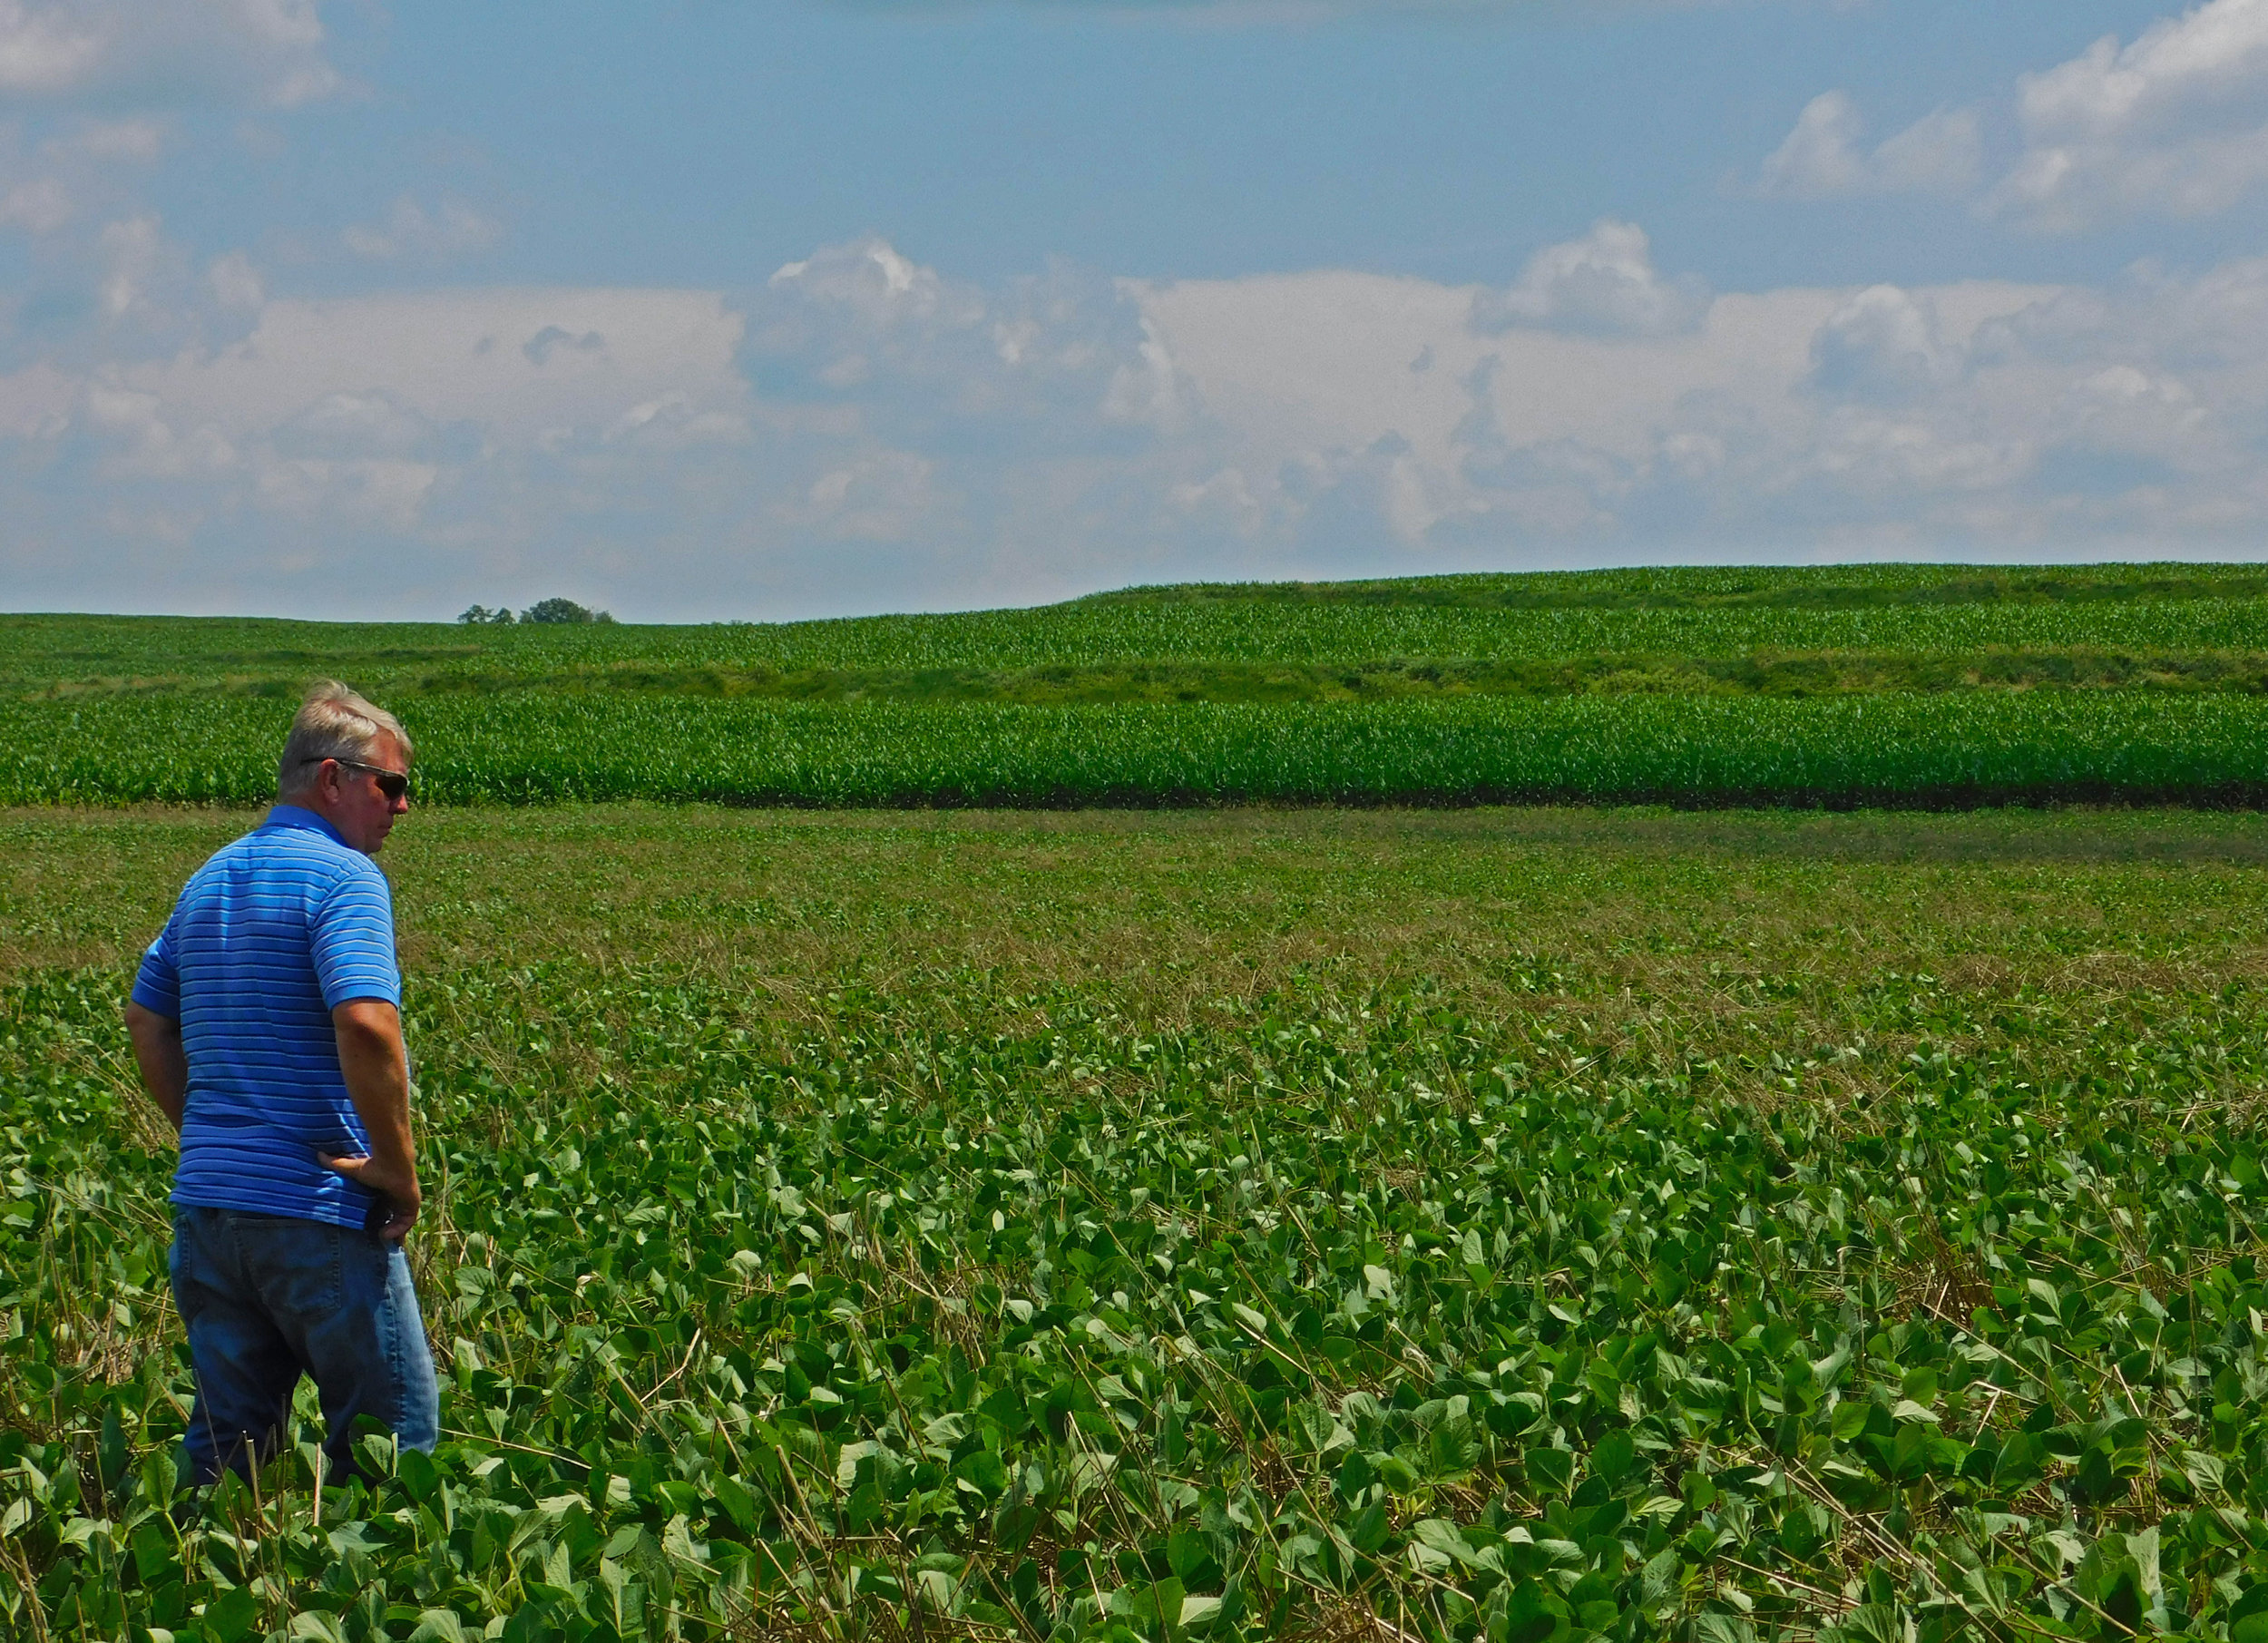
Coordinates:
column 1940, row 154
column 262, row 51
column 39, row 207
column 131, row 250
column 1884, row 344
column 450, row 229
column 886, row 496
column 863, row 332
column 1317, row 365
column 463, row 356
column 1605, row 283
column 71, row 173
column 2174, row 124
column 869, row 278
column 1825, row 158
column 667, row 454
column 362, row 494
column 1820, row 158
column 1979, row 413
column 38, row 402
column 349, row 427
column 539, row 347
column 42, row 190
column 145, row 439
column 47, row 48
column 235, row 283
column 1144, row 389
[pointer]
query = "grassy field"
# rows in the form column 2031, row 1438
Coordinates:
column 1855, row 627
column 1930, row 687
column 1525, row 1225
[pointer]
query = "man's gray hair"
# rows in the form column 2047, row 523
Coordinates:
column 332, row 723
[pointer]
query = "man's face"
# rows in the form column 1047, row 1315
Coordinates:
column 349, row 798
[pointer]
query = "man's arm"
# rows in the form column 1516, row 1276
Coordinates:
column 376, row 1069
column 164, row 1064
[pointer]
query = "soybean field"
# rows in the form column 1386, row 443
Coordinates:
column 1533, row 1225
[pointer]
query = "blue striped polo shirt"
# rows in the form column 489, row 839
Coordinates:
column 269, row 936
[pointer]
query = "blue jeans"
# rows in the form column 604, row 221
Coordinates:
column 267, row 1298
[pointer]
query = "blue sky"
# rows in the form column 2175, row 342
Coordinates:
column 703, row 310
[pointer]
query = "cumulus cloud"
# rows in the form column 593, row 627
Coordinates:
column 1825, row 157
column 1604, row 283
column 863, row 334
column 1971, row 416
column 2172, row 124
column 2175, row 123
column 466, row 355
column 871, row 280
column 44, row 189
column 684, row 453
column 267, row 52
column 47, row 48
column 1884, row 344
column 361, row 494
column 133, row 250
column 539, row 347
column 352, row 428
column 235, row 283
column 450, row 228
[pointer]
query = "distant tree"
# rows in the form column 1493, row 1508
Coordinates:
column 481, row 613
column 561, row 611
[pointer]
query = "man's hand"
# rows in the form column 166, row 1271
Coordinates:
column 396, row 1186
column 376, row 1069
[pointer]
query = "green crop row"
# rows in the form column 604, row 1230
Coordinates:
column 1322, row 1313
column 1910, row 611
column 1832, row 672
column 1942, row 750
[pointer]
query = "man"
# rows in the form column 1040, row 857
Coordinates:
column 267, row 1022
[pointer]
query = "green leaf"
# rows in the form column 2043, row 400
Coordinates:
column 1370, row 1527
column 2248, row 1616
column 439, row 1625
column 1552, row 1470
column 419, row 1476
column 230, row 1616
column 984, row 1469
column 1190, row 1555
column 1198, row 1613
column 1534, row 1614
column 1611, row 1461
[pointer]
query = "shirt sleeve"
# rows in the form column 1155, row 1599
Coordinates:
column 158, row 984
column 352, row 941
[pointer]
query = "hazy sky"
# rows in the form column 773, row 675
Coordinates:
column 702, row 310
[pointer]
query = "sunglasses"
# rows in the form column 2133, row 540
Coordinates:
column 393, row 784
